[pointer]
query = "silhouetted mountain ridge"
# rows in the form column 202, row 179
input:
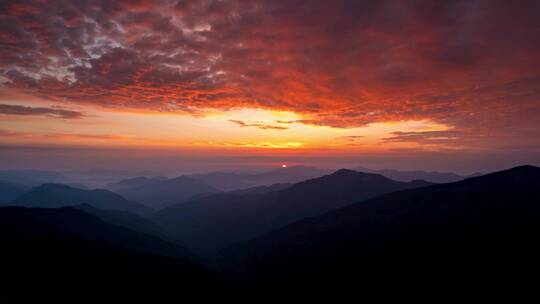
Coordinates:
column 430, row 176
column 262, row 189
column 127, row 220
column 213, row 222
column 75, row 222
column 484, row 226
column 231, row 181
column 67, row 241
column 160, row 192
column 59, row 195
column 134, row 182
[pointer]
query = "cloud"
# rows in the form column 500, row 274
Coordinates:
column 70, row 136
column 8, row 133
column 473, row 65
column 425, row 137
column 259, row 125
column 28, row 111
column 350, row 137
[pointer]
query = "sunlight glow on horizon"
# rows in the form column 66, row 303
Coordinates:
column 246, row 128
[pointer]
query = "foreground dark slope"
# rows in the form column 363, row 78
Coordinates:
column 127, row 220
column 484, row 227
column 59, row 195
column 42, row 241
column 75, row 222
column 208, row 224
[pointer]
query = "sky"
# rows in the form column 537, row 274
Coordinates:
column 201, row 85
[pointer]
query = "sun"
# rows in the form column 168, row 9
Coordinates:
column 284, row 166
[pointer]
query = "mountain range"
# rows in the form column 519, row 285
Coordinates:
column 430, row 176
column 347, row 227
column 69, row 242
column 159, row 192
column 483, row 227
column 230, row 181
column 211, row 223
column 127, row 220
column 59, row 195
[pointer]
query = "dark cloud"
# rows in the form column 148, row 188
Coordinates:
column 425, row 137
column 7, row 133
column 473, row 65
column 458, row 139
column 286, row 121
column 62, row 136
column 53, row 112
column 350, row 138
column 260, row 125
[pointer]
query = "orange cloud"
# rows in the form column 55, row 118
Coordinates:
column 259, row 125
column 473, row 65
column 28, row 111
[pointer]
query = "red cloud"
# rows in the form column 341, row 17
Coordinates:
column 26, row 111
column 473, row 65
column 259, row 125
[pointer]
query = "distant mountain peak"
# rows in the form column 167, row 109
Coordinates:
column 429, row 176
column 344, row 171
column 137, row 179
column 58, row 195
column 54, row 186
column 521, row 171
column 158, row 192
column 524, row 168
column 443, row 228
column 200, row 223
column 352, row 174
